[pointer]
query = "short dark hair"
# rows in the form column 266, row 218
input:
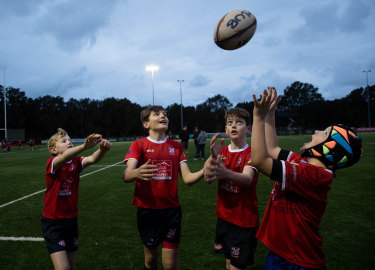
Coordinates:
column 145, row 114
column 238, row 112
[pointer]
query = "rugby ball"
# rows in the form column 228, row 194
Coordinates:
column 235, row 29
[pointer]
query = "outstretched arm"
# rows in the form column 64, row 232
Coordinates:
column 188, row 177
column 259, row 154
column 270, row 127
column 90, row 142
column 105, row 145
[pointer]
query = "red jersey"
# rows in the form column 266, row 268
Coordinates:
column 61, row 196
column 290, row 225
column 237, row 204
column 161, row 192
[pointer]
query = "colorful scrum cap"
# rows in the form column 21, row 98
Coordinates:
column 341, row 149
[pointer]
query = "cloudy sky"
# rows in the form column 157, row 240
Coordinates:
column 100, row 48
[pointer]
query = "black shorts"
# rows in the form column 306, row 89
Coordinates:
column 236, row 243
column 158, row 226
column 60, row 234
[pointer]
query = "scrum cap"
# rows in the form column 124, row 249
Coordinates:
column 341, row 149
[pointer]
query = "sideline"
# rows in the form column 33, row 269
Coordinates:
column 40, row 191
column 32, row 239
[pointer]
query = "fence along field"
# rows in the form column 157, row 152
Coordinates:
column 107, row 221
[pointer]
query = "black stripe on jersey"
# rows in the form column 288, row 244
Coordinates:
column 277, row 170
column 283, row 155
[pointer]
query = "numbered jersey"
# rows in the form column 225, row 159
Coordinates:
column 160, row 192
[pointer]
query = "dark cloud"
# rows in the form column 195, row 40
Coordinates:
column 75, row 24
column 354, row 16
column 99, row 48
column 19, row 8
column 199, row 81
column 329, row 18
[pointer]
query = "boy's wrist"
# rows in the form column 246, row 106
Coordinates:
column 259, row 117
column 82, row 147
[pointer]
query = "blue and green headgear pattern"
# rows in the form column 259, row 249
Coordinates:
column 341, row 149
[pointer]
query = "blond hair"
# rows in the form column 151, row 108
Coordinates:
column 55, row 137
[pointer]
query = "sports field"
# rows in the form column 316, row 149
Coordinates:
column 107, row 221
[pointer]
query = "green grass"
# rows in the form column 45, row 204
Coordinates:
column 107, row 221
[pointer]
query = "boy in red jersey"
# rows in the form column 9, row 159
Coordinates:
column 237, row 210
column 59, row 221
column 154, row 163
column 290, row 226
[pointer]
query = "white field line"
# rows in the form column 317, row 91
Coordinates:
column 32, row 239
column 40, row 191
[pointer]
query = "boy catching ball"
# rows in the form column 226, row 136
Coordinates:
column 236, row 211
column 290, row 226
column 59, row 221
column 154, row 163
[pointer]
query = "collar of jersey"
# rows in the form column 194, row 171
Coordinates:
column 237, row 150
column 151, row 140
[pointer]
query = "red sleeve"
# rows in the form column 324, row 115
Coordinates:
column 134, row 152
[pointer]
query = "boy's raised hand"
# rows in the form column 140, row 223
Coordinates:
column 92, row 140
column 105, row 145
column 275, row 99
column 214, row 169
column 263, row 106
column 216, row 148
column 147, row 171
column 209, row 171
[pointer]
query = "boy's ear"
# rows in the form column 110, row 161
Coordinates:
column 146, row 124
column 53, row 150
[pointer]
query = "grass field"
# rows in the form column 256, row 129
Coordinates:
column 107, row 221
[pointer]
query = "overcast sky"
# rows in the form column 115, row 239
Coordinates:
column 100, row 48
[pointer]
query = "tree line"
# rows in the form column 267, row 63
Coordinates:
column 301, row 108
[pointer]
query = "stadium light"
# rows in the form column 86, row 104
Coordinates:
column 368, row 98
column 182, row 117
column 152, row 68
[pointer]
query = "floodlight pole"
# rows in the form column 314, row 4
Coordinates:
column 368, row 98
column 182, row 117
column 5, row 110
column 152, row 69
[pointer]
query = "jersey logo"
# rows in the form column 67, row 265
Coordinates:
column 171, row 150
column 239, row 160
column 130, row 151
column 62, row 243
column 218, row 246
column 66, row 187
column 235, row 252
column 230, row 188
column 171, row 233
column 150, row 150
column 164, row 169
